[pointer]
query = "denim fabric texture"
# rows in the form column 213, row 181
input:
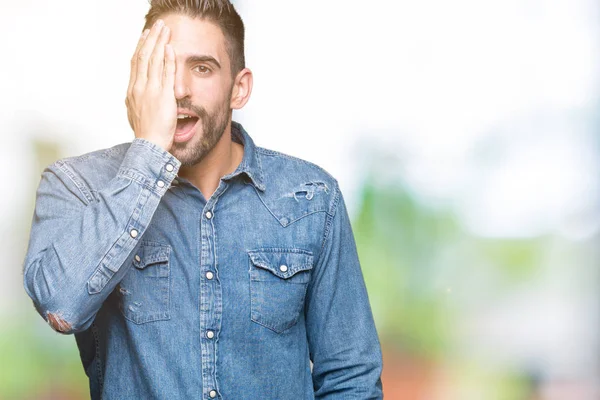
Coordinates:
column 174, row 296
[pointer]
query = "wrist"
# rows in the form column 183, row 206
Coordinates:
column 166, row 145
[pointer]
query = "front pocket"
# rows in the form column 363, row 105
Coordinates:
column 278, row 281
column 145, row 290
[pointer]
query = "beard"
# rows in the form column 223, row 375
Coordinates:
column 213, row 127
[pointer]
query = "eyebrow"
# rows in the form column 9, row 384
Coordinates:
column 195, row 58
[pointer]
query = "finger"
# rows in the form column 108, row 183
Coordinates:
column 133, row 73
column 169, row 69
column 157, row 60
column 145, row 52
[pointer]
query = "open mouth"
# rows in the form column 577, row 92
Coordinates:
column 185, row 123
column 185, row 127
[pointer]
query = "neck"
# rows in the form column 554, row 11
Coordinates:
column 222, row 160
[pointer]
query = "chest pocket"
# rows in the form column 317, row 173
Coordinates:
column 278, row 282
column 145, row 291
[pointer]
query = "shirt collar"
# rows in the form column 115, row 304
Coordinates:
column 250, row 164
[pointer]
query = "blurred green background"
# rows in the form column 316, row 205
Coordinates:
column 464, row 136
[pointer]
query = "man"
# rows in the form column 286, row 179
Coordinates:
column 189, row 263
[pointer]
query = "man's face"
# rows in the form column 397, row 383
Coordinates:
column 203, row 85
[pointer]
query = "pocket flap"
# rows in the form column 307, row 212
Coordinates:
column 151, row 253
column 283, row 263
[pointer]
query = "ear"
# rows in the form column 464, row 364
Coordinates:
column 242, row 88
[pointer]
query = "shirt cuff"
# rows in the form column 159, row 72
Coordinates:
column 150, row 165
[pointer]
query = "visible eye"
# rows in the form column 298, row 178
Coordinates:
column 202, row 69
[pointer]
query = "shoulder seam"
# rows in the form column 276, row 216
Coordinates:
column 330, row 215
column 101, row 153
column 265, row 151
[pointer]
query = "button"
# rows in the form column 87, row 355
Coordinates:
column 170, row 167
column 283, row 268
column 133, row 233
column 174, row 182
column 210, row 334
column 160, row 184
column 208, row 215
column 212, row 394
column 137, row 258
column 209, row 275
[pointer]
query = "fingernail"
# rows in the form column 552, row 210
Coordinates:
column 145, row 33
column 159, row 23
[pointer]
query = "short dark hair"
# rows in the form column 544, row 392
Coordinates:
column 221, row 12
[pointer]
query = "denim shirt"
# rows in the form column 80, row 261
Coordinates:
column 174, row 296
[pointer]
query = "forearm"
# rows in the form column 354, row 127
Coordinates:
column 79, row 242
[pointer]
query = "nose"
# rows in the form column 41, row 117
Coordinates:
column 181, row 88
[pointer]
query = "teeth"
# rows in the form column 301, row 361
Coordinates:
column 183, row 116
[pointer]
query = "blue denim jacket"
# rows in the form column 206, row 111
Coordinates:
column 174, row 296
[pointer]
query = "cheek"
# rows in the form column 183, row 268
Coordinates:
column 210, row 92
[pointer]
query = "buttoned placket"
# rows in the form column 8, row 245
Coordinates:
column 211, row 306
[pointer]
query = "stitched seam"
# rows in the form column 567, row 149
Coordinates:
column 143, row 180
column 305, row 215
column 130, row 222
column 262, row 201
column 269, row 152
column 260, row 170
column 103, row 153
column 281, row 250
column 329, row 220
column 72, row 176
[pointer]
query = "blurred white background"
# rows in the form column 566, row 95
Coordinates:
column 489, row 108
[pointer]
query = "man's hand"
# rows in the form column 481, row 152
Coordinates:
column 151, row 105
